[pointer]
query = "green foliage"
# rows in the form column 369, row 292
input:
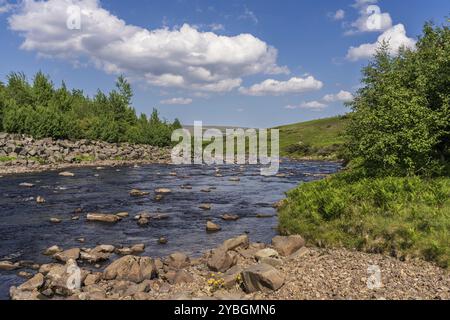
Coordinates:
column 321, row 139
column 406, row 217
column 41, row 110
column 401, row 119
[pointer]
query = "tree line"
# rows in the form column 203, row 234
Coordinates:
column 41, row 110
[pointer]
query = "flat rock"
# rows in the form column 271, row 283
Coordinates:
column 138, row 193
column 65, row 256
column 262, row 277
column 131, row 268
column 33, row 284
column 230, row 217
column 266, row 253
column 205, row 206
column 287, row 245
column 101, row 217
column 212, row 227
column 237, row 242
column 66, row 174
column 163, row 190
column 8, row 266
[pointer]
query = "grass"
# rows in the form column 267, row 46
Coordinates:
column 317, row 139
column 7, row 159
column 404, row 217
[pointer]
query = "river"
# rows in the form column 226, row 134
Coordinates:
column 25, row 229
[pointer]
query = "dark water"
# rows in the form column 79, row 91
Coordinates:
column 25, row 230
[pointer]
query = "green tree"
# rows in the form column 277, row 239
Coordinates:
column 401, row 117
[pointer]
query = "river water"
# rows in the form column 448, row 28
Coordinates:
column 25, row 229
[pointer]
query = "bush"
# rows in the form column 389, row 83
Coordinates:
column 406, row 217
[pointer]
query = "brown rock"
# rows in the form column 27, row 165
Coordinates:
column 238, row 242
column 212, row 227
column 33, row 284
column 178, row 260
column 66, row 174
column 230, row 217
column 101, row 217
column 262, row 277
column 178, row 276
column 138, row 193
column 8, row 266
column 40, row 199
column 288, row 245
column 52, row 250
column 65, row 256
column 131, row 268
column 221, row 260
column 205, row 206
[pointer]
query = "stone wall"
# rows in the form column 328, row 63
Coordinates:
column 17, row 149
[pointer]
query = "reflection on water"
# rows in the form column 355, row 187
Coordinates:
column 25, row 230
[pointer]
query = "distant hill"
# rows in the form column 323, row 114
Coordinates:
column 317, row 139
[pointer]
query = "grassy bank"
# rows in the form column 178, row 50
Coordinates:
column 317, row 139
column 405, row 217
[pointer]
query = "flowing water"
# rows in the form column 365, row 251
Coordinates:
column 25, row 229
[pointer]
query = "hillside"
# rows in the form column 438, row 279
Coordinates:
column 317, row 139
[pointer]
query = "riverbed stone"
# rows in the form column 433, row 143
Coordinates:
column 32, row 284
column 178, row 260
column 131, row 268
column 101, row 217
column 205, row 206
column 70, row 254
column 52, row 250
column 138, row 193
column 287, row 245
column 8, row 266
column 230, row 217
column 221, row 260
column 40, row 200
column 66, row 174
column 212, row 227
column 163, row 190
column 262, row 277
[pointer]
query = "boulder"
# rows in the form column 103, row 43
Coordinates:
column 8, row 266
column 221, row 260
column 52, row 250
column 238, row 242
column 230, row 217
column 288, row 245
column 17, row 294
column 231, row 277
column 178, row 260
column 178, row 276
column 65, row 256
column 94, row 256
column 163, row 190
column 138, row 248
column 212, row 227
column 40, row 200
column 266, row 253
column 65, row 279
column 262, row 277
column 105, row 248
column 34, row 283
column 131, row 268
column 138, row 193
column 66, row 174
column 100, row 217
column 93, row 278
column 205, row 206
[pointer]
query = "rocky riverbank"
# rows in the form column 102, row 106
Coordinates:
column 238, row 269
column 21, row 153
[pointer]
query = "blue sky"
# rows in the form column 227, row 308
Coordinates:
column 244, row 63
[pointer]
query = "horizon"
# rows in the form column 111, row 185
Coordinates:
column 227, row 64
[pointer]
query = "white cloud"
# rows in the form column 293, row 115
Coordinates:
column 276, row 88
column 5, row 6
column 217, row 27
column 184, row 57
column 310, row 105
column 182, row 101
column 342, row 96
column 371, row 18
column 395, row 36
column 248, row 14
column 338, row 15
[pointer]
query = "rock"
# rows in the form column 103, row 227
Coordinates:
column 93, row 278
column 138, row 248
column 124, row 251
column 266, row 253
column 105, row 248
column 81, row 240
column 138, row 193
column 241, row 241
column 205, row 190
column 26, row 185
column 178, row 260
column 33, row 284
column 25, row 274
column 299, row 253
column 100, row 217
column 163, row 190
column 162, row 240
column 17, row 294
column 65, row 256
column 143, row 221
column 230, row 217
column 62, row 279
column 8, row 266
column 221, row 260
column 122, row 214
column 159, row 197
column 75, row 218
column 205, row 206
column 274, row 262
column 66, row 174
column 231, row 277
column 45, row 268
column 94, row 256
column 262, row 277
column 52, row 250
column 131, row 268
column 40, row 199
column 212, row 227
column 235, row 179
column 288, row 245
column 55, row 220
column 178, row 276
